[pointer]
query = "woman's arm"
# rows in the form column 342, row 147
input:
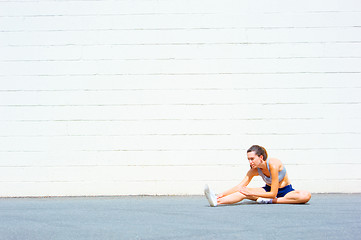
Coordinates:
column 246, row 180
column 274, row 185
column 274, row 167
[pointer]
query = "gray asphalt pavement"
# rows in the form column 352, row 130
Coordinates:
column 327, row 216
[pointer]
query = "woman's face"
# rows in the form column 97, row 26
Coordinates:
column 254, row 160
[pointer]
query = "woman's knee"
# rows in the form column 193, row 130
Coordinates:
column 304, row 196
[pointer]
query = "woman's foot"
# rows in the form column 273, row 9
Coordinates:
column 212, row 198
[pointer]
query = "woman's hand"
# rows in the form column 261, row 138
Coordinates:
column 220, row 195
column 245, row 192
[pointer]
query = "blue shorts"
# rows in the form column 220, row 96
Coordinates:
column 281, row 191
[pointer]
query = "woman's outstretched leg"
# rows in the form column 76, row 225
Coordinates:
column 237, row 196
column 231, row 198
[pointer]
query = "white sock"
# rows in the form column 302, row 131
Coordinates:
column 264, row 200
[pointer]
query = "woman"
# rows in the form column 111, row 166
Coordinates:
column 278, row 188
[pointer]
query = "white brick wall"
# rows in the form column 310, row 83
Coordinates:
column 162, row 96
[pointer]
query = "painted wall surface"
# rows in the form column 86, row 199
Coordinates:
column 163, row 96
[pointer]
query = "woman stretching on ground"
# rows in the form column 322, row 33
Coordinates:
column 278, row 188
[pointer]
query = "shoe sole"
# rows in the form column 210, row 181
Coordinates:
column 207, row 192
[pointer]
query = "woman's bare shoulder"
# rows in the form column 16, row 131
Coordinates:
column 275, row 162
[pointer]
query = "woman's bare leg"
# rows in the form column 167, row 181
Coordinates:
column 237, row 196
column 294, row 197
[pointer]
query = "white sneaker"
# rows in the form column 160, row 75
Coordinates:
column 264, row 200
column 212, row 198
